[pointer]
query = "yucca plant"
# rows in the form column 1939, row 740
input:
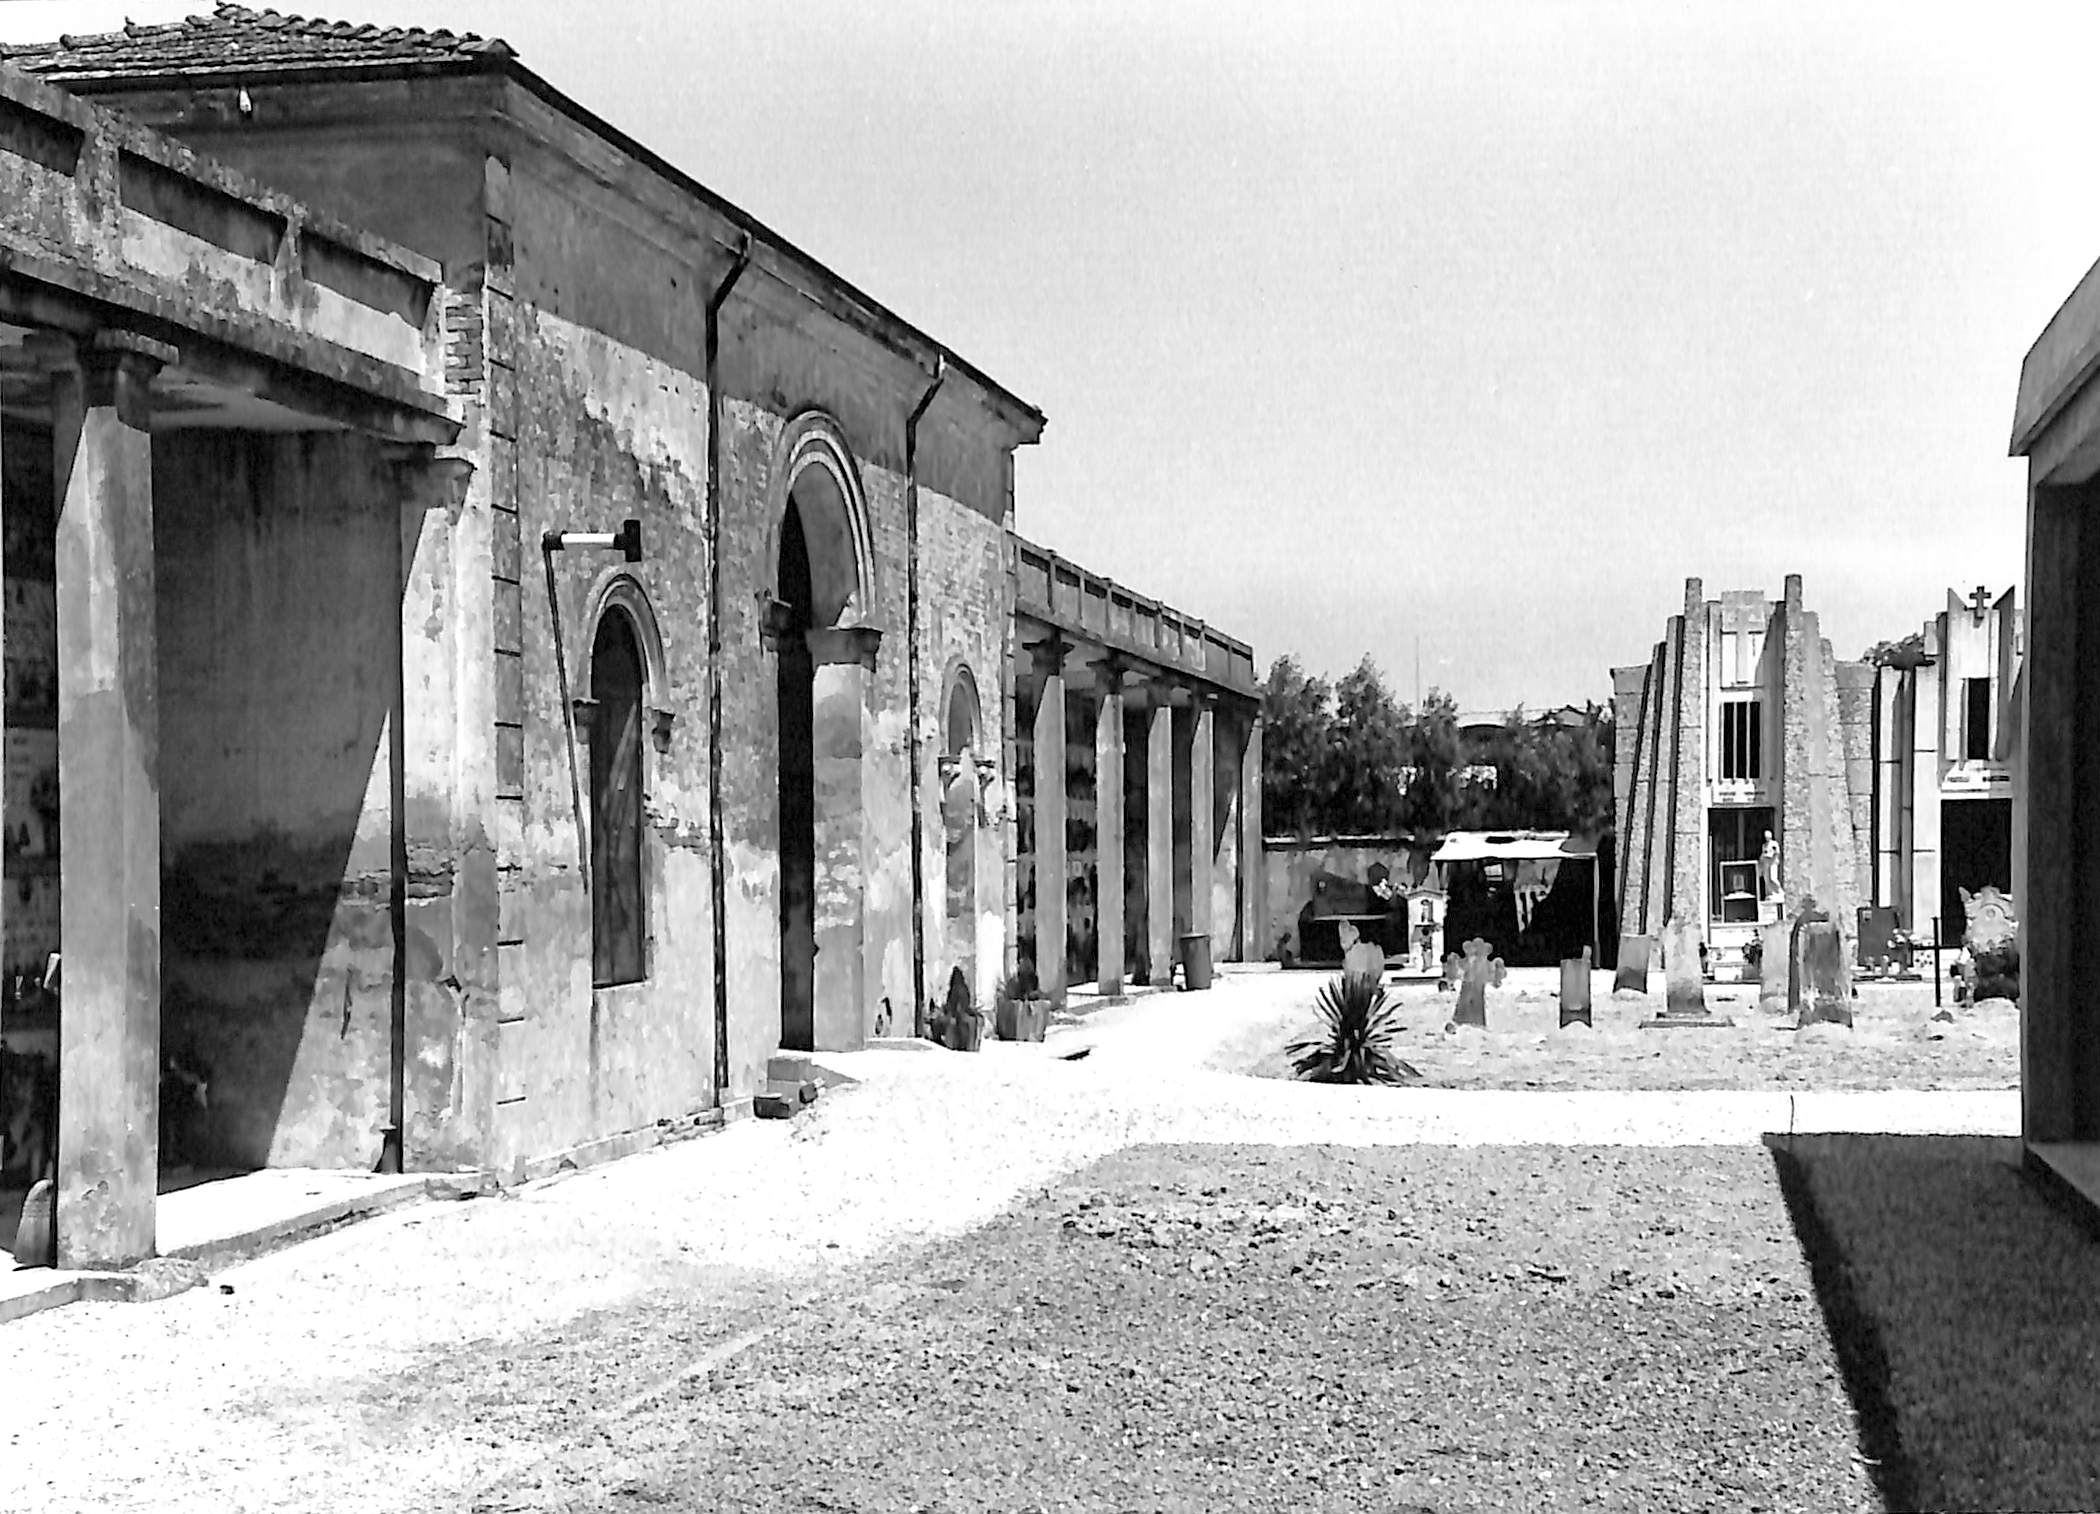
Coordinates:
column 1355, row 1041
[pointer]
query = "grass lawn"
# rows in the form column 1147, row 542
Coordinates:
column 1894, row 1043
column 1965, row 1307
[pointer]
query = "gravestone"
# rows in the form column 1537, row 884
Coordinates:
column 1636, row 955
column 1990, row 920
column 1809, row 914
column 1366, row 959
column 1684, row 979
column 1775, row 966
column 1684, row 975
column 1875, row 936
column 1575, row 989
column 1476, row 972
column 1824, row 989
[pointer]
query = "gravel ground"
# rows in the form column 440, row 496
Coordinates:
column 1894, row 1041
column 416, row 1360
column 1304, row 1329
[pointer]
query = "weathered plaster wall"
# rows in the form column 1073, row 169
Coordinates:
column 966, row 602
column 1295, row 866
column 278, row 603
column 604, row 434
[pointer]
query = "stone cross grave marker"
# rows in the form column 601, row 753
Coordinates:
column 1575, row 989
column 1819, row 962
column 1476, row 972
column 1635, row 953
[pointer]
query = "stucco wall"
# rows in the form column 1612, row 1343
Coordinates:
column 277, row 562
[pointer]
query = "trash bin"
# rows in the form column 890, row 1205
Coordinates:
column 1195, row 960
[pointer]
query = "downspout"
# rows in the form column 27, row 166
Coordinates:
column 911, row 689
column 717, row 878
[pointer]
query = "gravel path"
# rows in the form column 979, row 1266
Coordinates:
column 410, row 1361
column 1305, row 1329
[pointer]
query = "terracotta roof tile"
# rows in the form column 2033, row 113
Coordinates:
column 234, row 38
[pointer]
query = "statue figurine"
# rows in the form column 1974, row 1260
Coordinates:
column 1768, row 869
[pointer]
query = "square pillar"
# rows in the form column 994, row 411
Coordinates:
column 1108, row 828
column 1203, row 799
column 1051, row 865
column 449, row 1034
column 109, row 806
column 1254, row 914
column 1159, row 837
column 840, row 738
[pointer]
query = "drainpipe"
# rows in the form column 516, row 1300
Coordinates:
column 911, row 689
column 717, row 882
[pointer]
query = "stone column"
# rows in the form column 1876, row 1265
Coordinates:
column 1108, row 828
column 1927, row 721
column 1050, row 857
column 844, row 661
column 1254, row 914
column 448, row 903
column 1689, row 871
column 1203, row 799
column 1159, row 836
column 109, row 806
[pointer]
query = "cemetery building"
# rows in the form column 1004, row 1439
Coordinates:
column 1743, row 782
column 2055, row 744
column 1943, row 791
column 499, row 643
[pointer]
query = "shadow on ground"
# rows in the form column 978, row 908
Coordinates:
column 1961, row 1298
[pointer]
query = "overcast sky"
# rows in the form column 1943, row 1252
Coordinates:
column 1357, row 325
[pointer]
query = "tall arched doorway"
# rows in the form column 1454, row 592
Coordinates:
column 824, row 686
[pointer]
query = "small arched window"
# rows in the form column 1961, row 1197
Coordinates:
column 618, row 910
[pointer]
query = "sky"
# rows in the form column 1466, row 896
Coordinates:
column 1458, row 336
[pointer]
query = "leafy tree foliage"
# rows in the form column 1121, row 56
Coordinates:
column 1351, row 759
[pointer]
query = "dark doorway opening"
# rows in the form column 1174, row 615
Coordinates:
column 617, row 910
column 796, row 679
column 1975, row 849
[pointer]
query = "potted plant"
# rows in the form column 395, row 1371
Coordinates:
column 958, row 1023
column 1021, row 1012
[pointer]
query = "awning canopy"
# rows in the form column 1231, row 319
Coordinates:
column 1512, row 846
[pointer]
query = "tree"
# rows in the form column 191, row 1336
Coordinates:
column 1435, row 754
column 1297, row 727
column 1366, row 755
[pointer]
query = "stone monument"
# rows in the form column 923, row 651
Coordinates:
column 1684, row 980
column 1476, row 972
column 1575, row 989
column 1635, row 955
column 1821, row 987
column 1775, row 967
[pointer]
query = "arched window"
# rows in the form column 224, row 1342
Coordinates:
column 618, row 908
